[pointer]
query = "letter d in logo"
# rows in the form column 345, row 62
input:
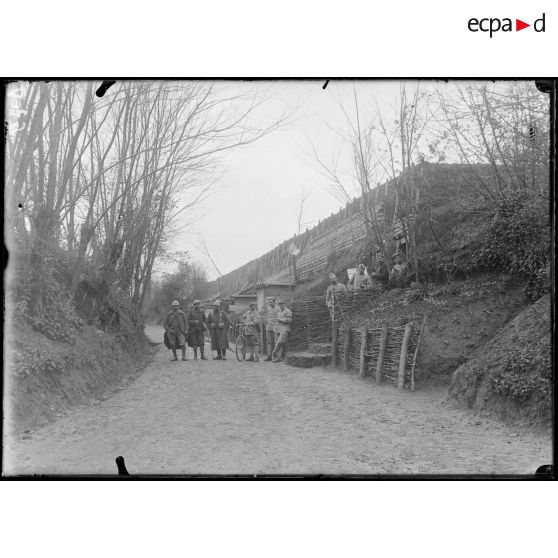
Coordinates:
column 538, row 26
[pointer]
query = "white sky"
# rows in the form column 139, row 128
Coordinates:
column 256, row 205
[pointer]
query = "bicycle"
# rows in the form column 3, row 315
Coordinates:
column 240, row 345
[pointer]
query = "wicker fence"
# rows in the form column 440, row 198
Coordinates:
column 312, row 319
column 389, row 353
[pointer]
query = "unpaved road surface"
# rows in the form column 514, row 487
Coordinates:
column 215, row 417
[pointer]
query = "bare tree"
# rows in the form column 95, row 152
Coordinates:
column 502, row 129
column 294, row 250
column 106, row 179
column 403, row 141
column 362, row 140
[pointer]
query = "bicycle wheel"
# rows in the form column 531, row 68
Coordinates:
column 240, row 348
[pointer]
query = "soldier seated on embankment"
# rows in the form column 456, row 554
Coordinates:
column 399, row 275
column 381, row 272
column 360, row 281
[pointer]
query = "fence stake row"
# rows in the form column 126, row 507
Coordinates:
column 396, row 375
column 380, row 363
column 403, row 357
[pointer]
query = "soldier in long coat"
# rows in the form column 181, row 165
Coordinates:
column 198, row 327
column 176, row 327
column 218, row 323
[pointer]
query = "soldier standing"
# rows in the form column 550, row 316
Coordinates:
column 176, row 326
column 251, row 320
column 218, row 324
column 282, row 329
column 270, row 324
column 334, row 290
column 198, row 327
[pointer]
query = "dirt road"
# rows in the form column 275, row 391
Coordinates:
column 215, row 417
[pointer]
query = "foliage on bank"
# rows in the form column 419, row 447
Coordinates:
column 512, row 375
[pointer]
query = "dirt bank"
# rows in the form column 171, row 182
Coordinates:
column 45, row 380
column 253, row 418
column 461, row 317
column 512, row 375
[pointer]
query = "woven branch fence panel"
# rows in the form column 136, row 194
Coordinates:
column 341, row 345
column 392, row 354
column 311, row 322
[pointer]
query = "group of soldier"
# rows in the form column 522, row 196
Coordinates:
column 190, row 328
column 277, row 328
column 362, row 281
column 181, row 327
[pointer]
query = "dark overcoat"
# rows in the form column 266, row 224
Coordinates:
column 197, row 323
column 218, row 323
column 176, row 326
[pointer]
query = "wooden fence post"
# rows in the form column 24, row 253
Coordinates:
column 403, row 357
column 334, row 344
column 362, row 351
column 347, row 346
column 416, row 354
column 383, row 344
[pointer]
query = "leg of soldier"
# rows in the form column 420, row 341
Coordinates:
column 224, row 354
column 202, row 356
column 183, row 351
column 276, row 349
column 270, row 344
column 174, row 354
column 255, row 349
column 285, row 346
column 249, row 340
column 195, row 353
column 279, row 347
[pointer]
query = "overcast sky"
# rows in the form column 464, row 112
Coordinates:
column 256, row 203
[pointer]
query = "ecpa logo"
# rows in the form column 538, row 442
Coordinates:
column 492, row 25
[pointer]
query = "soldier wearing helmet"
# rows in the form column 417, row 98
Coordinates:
column 218, row 324
column 176, row 328
column 198, row 328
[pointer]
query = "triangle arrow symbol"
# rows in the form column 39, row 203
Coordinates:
column 519, row 25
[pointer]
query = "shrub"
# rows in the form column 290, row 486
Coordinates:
column 517, row 241
column 122, row 318
column 44, row 298
column 34, row 360
column 526, row 374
